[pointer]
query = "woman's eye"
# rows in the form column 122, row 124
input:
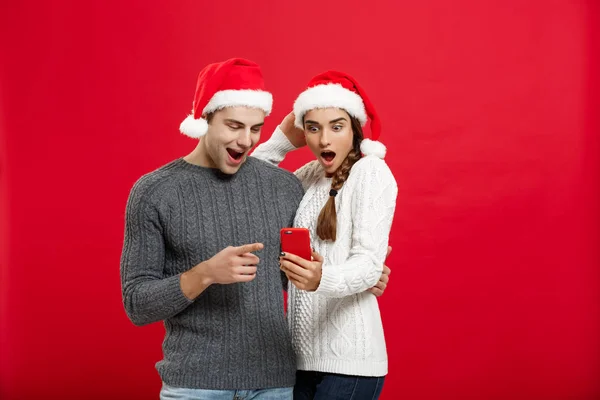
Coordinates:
column 337, row 128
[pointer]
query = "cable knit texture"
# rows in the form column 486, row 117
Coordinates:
column 338, row 327
column 232, row 336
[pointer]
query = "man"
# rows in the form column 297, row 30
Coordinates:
column 201, row 249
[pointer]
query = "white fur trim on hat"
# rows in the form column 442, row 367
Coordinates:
column 237, row 98
column 193, row 128
column 329, row 95
column 372, row 148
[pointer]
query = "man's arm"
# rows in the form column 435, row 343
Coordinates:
column 148, row 296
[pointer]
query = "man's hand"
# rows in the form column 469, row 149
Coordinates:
column 304, row 274
column 379, row 288
column 230, row 265
column 294, row 135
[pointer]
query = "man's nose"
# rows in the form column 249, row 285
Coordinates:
column 244, row 139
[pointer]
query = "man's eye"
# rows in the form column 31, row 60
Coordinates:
column 255, row 130
column 234, row 127
column 313, row 129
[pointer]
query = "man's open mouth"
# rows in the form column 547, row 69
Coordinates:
column 236, row 155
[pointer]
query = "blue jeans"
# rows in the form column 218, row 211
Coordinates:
column 174, row 393
column 324, row 386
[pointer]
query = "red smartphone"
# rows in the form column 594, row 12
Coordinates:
column 296, row 241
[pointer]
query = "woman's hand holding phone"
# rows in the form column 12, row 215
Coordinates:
column 304, row 274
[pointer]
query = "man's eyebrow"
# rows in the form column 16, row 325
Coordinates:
column 235, row 122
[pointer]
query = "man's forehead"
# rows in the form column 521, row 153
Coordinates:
column 245, row 115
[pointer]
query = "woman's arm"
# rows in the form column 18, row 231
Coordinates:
column 373, row 206
column 284, row 139
column 275, row 149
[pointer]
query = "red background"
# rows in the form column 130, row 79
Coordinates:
column 490, row 117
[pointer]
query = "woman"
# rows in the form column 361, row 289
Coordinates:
column 348, row 208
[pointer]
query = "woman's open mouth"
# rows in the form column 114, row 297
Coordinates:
column 328, row 157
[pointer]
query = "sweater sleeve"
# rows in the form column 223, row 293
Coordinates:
column 148, row 296
column 274, row 150
column 373, row 204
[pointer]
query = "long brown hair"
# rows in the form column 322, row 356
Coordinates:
column 327, row 222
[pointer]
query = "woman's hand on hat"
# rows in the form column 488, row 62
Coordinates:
column 294, row 135
column 304, row 274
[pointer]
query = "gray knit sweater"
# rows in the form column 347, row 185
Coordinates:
column 232, row 336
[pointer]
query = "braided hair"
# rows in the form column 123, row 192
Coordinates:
column 327, row 222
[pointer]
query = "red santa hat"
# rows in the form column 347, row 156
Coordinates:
column 340, row 90
column 232, row 83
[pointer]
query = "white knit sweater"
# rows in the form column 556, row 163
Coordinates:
column 338, row 328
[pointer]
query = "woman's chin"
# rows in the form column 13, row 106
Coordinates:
column 328, row 167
